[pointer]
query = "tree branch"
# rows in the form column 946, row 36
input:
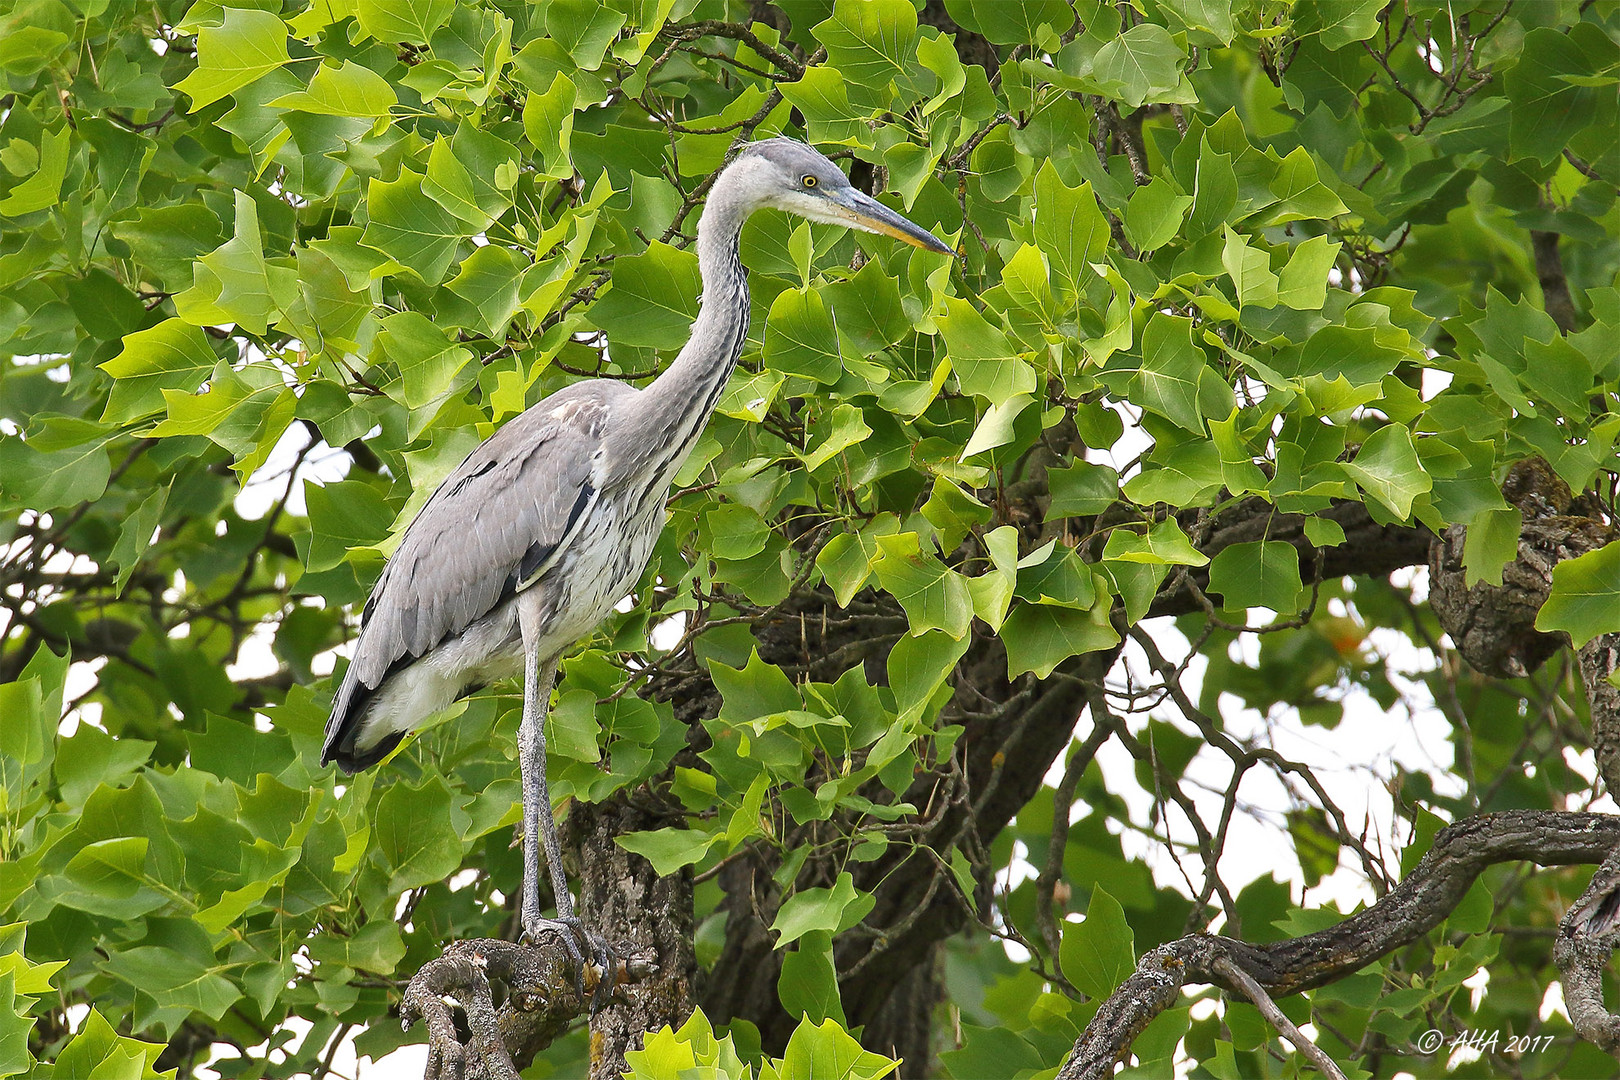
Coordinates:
column 1285, row 1027
column 1414, row 907
column 1586, row 939
column 540, row 1001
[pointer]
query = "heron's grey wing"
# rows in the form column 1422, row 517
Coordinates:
column 492, row 527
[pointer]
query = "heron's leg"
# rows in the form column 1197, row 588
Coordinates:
column 538, row 678
column 539, row 675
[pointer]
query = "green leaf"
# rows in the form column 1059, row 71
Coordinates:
column 866, row 308
column 1155, row 213
column 104, row 306
column 668, row 849
column 918, row 669
column 488, row 280
column 869, row 42
column 754, row 690
column 410, row 21
column 808, row 984
column 1081, row 488
column 1585, row 597
column 1258, row 574
column 841, row 429
column 826, row 1052
column 1338, row 22
column 343, row 515
column 1387, row 469
column 113, row 869
column 428, row 360
column 985, row 361
column 800, row 338
column 1014, row 22
column 954, row 512
column 415, row 834
column 1039, row 637
column 1546, row 108
column 377, row 947
column 44, row 185
column 1305, row 279
column 412, row 229
column 97, row 1045
column 232, row 281
column 1491, row 543
column 1181, row 477
column 175, row 980
column 1143, row 64
column 1069, row 228
column 997, row 427
column 27, row 740
column 135, row 536
column 992, row 591
column 1163, row 544
column 247, row 45
column 653, row 300
column 168, row 356
column 821, row 96
column 1098, row 954
column 1249, row 269
column 548, row 122
column 1301, row 194
column 845, row 561
column 934, row 596
column 47, row 480
column 1211, row 17
column 736, row 532
column 348, row 89
column 465, row 175
column 583, row 28
column 1172, row 365
column 829, row 910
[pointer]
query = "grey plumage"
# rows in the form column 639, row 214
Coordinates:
column 496, row 522
column 548, row 524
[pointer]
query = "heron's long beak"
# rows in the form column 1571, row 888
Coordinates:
column 867, row 213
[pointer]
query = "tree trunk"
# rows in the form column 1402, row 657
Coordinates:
column 626, row 900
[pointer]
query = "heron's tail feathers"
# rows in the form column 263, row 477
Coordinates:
column 351, row 742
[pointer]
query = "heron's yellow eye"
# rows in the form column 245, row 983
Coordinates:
column 809, row 181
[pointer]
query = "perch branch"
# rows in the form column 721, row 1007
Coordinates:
column 540, row 1000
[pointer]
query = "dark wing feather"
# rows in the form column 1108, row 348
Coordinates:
column 505, row 512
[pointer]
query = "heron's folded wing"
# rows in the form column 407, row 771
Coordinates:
column 503, row 515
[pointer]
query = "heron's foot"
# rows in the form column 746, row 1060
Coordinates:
column 596, row 976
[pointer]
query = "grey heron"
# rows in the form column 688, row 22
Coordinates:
column 534, row 538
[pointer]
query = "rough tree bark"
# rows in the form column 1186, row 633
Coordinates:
column 628, row 901
column 1416, row 906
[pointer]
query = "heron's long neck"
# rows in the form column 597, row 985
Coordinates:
column 678, row 403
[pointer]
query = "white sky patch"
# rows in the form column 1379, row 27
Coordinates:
column 322, row 464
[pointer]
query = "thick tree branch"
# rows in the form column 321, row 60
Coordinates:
column 629, row 902
column 1600, row 659
column 1586, row 940
column 540, row 1000
column 1414, row 907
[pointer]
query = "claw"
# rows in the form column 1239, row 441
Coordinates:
column 575, row 934
column 608, row 967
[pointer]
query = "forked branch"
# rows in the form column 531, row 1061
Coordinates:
column 514, row 1000
column 1427, row 895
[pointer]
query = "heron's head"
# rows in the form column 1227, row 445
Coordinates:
column 788, row 175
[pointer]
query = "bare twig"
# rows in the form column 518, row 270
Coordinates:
column 1285, row 1027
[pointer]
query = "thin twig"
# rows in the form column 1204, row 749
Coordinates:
column 1268, row 1008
